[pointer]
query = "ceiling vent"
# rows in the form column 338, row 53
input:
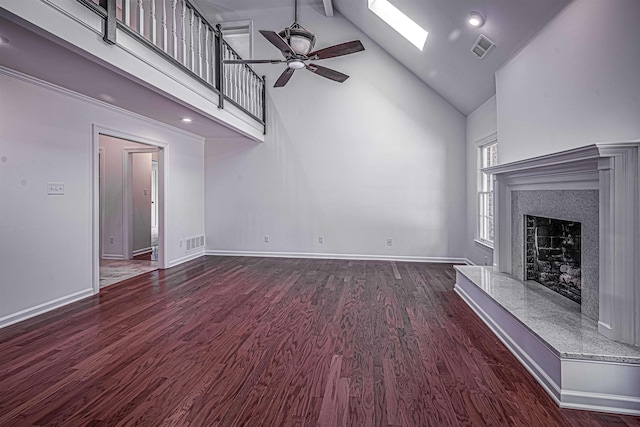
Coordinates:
column 482, row 46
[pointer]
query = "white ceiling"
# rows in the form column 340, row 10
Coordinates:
column 446, row 63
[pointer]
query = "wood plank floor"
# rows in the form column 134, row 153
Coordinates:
column 229, row 341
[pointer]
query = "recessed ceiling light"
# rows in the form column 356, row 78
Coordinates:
column 186, row 120
column 475, row 19
column 399, row 22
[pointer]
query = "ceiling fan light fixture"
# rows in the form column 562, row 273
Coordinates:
column 300, row 40
column 300, row 45
column 295, row 64
column 475, row 19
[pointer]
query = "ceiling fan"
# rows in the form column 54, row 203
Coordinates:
column 295, row 44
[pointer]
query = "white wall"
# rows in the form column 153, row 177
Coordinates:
column 46, row 241
column 112, row 207
column 380, row 156
column 481, row 123
column 576, row 83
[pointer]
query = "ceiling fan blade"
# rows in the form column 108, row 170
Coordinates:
column 254, row 61
column 337, row 50
column 277, row 41
column 284, row 77
column 327, row 72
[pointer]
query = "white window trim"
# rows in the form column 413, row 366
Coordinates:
column 241, row 27
column 489, row 139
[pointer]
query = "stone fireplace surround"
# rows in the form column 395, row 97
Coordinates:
column 579, row 367
column 575, row 205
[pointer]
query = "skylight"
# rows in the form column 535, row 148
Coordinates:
column 399, row 22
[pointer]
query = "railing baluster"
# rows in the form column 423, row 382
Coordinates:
column 174, row 30
column 253, row 95
column 183, row 30
column 219, row 70
column 199, row 46
column 241, row 84
column 248, row 86
column 227, row 80
column 238, row 66
column 140, row 18
column 232, row 74
column 245, row 78
column 236, row 79
column 242, row 79
column 126, row 12
column 153, row 23
column 192, row 57
column 163, row 24
column 207, row 67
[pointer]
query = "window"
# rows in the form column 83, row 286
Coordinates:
column 488, row 156
column 399, row 22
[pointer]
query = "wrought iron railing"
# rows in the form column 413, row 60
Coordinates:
column 176, row 30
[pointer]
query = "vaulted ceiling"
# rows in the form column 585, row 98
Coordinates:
column 446, row 63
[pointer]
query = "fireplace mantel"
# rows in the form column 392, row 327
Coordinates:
column 611, row 168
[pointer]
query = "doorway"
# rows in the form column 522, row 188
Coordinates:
column 129, row 206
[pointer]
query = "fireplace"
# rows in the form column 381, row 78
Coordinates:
column 598, row 186
column 553, row 254
column 591, row 250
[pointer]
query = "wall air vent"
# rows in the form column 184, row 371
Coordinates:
column 194, row 243
column 482, row 46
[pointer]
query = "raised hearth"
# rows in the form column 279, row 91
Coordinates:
column 558, row 345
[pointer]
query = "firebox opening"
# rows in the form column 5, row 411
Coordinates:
column 553, row 254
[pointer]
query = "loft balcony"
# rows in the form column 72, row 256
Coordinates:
column 158, row 58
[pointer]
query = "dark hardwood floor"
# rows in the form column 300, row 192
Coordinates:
column 272, row 342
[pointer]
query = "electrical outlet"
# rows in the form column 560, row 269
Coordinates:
column 320, row 239
column 180, row 242
column 146, row 192
column 389, row 241
column 111, row 240
column 266, row 239
column 55, row 188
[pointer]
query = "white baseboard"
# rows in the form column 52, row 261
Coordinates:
column 354, row 257
column 43, row 308
column 112, row 256
column 143, row 251
column 192, row 256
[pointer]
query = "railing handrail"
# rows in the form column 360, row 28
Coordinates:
column 95, row 7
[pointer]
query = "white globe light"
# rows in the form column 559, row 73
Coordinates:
column 296, row 65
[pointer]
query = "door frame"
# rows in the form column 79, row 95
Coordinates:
column 101, row 190
column 163, row 185
column 127, row 198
